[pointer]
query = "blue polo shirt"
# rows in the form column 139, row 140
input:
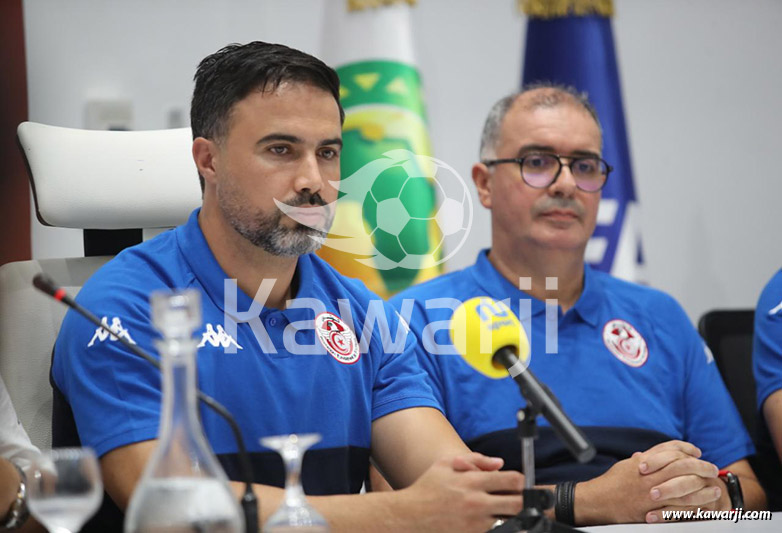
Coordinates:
column 245, row 362
column 767, row 345
column 767, row 363
column 625, row 363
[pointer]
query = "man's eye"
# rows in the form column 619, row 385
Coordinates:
column 279, row 150
column 586, row 166
column 538, row 161
column 328, row 153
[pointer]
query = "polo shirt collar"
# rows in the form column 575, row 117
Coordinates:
column 488, row 278
column 195, row 251
column 588, row 304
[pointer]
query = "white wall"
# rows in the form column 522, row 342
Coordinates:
column 700, row 81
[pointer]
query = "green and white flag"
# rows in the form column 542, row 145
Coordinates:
column 389, row 225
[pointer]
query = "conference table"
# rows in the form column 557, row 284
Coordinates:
column 707, row 526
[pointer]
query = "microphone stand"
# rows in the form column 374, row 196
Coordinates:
column 531, row 518
column 540, row 400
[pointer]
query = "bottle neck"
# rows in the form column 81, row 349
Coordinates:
column 179, row 411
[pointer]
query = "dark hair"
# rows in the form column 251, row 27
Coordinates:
column 230, row 74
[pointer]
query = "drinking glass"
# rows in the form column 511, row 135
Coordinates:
column 64, row 488
column 295, row 514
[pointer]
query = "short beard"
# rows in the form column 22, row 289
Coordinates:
column 267, row 232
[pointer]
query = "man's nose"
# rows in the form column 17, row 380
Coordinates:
column 309, row 176
column 565, row 184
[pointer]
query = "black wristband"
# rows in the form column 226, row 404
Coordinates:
column 564, row 511
column 733, row 484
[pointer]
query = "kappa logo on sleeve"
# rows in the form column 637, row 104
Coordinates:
column 709, row 355
column 776, row 310
column 624, row 341
column 217, row 338
column 116, row 326
column 337, row 338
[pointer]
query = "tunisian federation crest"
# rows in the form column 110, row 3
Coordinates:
column 624, row 341
column 338, row 339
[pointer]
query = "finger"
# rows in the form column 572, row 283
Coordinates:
column 652, row 461
column 685, row 490
column 648, row 464
column 462, row 464
column 665, row 514
column 707, row 496
column 680, row 445
column 690, row 466
column 508, row 481
column 476, row 461
column 504, row 505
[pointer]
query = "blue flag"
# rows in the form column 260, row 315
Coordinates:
column 578, row 50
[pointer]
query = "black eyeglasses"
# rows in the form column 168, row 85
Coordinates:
column 541, row 170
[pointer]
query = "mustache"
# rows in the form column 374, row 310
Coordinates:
column 306, row 198
column 548, row 203
column 315, row 205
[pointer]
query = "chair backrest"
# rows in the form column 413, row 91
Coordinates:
column 110, row 179
column 88, row 180
column 728, row 333
column 29, row 323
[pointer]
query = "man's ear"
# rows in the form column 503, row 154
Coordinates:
column 204, row 154
column 482, row 179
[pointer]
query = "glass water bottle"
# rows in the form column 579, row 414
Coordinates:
column 183, row 488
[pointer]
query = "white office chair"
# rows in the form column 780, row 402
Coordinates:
column 88, row 180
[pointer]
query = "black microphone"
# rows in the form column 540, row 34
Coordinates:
column 249, row 501
column 484, row 319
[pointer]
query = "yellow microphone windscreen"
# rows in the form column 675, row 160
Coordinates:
column 480, row 327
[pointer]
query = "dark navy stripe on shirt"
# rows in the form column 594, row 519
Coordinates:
column 553, row 461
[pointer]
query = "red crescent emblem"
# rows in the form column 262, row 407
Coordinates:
column 337, row 338
column 625, row 343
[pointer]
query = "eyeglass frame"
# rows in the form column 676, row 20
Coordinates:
column 520, row 161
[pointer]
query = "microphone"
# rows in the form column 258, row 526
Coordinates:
column 491, row 339
column 249, row 501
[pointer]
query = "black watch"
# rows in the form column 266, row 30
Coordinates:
column 734, row 489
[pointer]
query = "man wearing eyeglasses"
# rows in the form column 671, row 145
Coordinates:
column 623, row 359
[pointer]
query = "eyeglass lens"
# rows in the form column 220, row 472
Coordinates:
column 540, row 170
